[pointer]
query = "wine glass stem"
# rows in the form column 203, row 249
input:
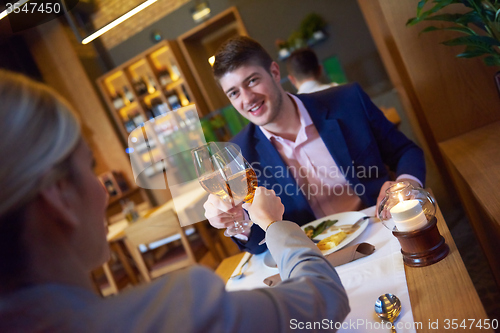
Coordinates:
column 237, row 225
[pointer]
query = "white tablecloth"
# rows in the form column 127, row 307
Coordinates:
column 364, row 280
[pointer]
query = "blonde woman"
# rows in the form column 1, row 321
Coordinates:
column 52, row 235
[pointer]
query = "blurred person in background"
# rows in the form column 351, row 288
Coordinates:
column 304, row 72
column 52, row 235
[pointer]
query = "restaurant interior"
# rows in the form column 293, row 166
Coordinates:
column 157, row 60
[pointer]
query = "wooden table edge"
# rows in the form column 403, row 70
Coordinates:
column 228, row 265
column 454, row 278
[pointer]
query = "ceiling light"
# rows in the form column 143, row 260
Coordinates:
column 200, row 11
column 17, row 4
column 119, row 20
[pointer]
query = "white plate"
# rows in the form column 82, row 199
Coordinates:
column 346, row 218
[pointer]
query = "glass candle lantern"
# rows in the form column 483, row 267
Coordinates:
column 406, row 208
column 410, row 213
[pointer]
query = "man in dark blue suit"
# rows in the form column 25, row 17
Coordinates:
column 322, row 153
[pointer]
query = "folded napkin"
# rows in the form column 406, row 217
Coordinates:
column 337, row 258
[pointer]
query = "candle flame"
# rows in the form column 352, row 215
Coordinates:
column 400, row 196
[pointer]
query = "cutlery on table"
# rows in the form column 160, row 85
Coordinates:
column 388, row 308
column 242, row 270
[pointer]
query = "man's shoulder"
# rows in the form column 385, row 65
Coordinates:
column 337, row 100
column 347, row 90
column 246, row 140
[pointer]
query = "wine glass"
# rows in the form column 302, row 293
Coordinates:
column 224, row 172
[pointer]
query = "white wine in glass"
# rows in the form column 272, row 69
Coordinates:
column 224, row 172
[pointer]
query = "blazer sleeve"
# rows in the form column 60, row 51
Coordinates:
column 398, row 152
column 252, row 245
column 195, row 300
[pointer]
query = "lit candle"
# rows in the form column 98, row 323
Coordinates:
column 408, row 215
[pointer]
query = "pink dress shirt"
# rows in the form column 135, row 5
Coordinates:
column 314, row 169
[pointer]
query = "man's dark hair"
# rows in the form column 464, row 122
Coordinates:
column 237, row 52
column 303, row 64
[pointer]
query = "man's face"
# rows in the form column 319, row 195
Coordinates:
column 254, row 92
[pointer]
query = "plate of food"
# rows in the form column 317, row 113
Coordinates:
column 334, row 232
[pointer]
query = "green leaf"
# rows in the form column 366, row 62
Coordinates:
column 464, row 30
column 487, row 6
column 492, row 60
column 431, row 28
column 478, row 41
column 412, row 21
column 420, row 6
column 471, row 52
column 437, row 7
column 489, row 14
column 445, row 17
column 467, row 3
column 471, row 17
column 495, row 27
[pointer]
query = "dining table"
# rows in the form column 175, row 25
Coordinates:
column 187, row 201
column 436, row 298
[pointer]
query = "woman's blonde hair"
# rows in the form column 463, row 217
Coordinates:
column 38, row 130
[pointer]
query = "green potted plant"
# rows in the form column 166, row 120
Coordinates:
column 480, row 26
column 296, row 40
column 312, row 24
column 283, row 48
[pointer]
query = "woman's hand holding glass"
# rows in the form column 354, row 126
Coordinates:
column 265, row 208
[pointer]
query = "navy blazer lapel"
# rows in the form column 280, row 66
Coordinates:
column 270, row 157
column 266, row 150
column 327, row 123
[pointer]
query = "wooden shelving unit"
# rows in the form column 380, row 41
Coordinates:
column 201, row 42
column 151, row 85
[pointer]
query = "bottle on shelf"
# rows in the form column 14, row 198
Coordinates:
column 164, row 77
column 176, row 71
column 184, row 91
column 129, row 211
column 138, row 119
column 124, row 98
column 129, row 125
column 158, row 107
column 150, row 84
column 128, row 95
column 140, row 86
column 110, row 187
column 118, row 101
column 174, row 101
column 149, row 113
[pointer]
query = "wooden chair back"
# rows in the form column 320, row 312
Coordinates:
column 153, row 228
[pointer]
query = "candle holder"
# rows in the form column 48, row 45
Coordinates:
column 410, row 213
